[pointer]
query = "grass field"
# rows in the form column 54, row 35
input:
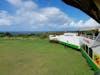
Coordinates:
column 39, row 57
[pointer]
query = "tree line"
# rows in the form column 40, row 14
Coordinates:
column 30, row 35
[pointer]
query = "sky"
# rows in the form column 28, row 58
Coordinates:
column 42, row 15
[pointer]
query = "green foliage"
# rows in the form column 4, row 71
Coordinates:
column 31, row 35
column 89, row 32
column 6, row 34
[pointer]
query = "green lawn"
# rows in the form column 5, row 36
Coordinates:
column 39, row 57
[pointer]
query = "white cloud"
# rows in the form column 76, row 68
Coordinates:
column 29, row 17
column 15, row 2
column 91, row 23
column 5, row 22
column 29, row 5
column 3, row 13
column 88, row 23
column 23, row 4
column 5, row 19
